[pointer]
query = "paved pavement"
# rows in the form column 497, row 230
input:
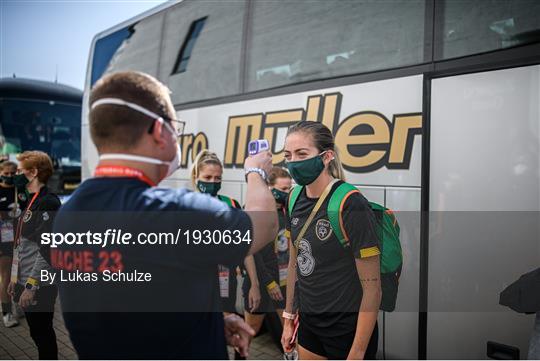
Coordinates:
column 15, row 343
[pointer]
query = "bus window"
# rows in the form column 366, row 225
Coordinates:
column 104, row 51
column 294, row 41
column 187, row 48
column 52, row 127
column 209, row 35
column 135, row 47
column 473, row 27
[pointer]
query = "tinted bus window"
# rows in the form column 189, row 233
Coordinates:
column 187, row 48
column 295, row 41
column 472, row 27
column 215, row 49
column 104, row 51
column 52, row 127
column 135, row 48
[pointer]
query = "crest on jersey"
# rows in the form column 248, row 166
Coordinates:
column 323, row 229
column 27, row 216
column 305, row 260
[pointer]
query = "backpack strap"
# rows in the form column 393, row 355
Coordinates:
column 335, row 208
column 293, row 196
column 229, row 201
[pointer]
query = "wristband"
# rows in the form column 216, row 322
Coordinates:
column 288, row 316
column 32, row 281
column 271, row 285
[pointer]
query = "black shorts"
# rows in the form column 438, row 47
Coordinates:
column 267, row 304
column 6, row 249
column 334, row 347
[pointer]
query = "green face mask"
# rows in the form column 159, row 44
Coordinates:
column 7, row 180
column 305, row 171
column 280, row 196
column 211, row 188
column 20, row 181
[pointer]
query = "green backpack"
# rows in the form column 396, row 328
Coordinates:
column 387, row 228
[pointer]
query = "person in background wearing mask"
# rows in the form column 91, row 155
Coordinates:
column 30, row 256
column 337, row 281
column 206, row 176
column 8, row 214
column 264, row 285
column 132, row 123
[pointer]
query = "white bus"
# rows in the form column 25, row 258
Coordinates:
column 435, row 108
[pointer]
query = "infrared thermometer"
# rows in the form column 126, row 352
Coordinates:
column 257, row 146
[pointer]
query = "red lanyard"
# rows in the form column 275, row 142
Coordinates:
column 121, row 171
column 22, row 217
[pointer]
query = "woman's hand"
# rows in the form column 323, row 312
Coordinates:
column 275, row 293
column 355, row 355
column 254, row 298
column 287, row 341
column 27, row 298
column 11, row 289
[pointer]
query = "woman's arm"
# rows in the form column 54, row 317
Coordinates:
column 370, row 278
column 287, row 341
column 291, row 280
column 254, row 296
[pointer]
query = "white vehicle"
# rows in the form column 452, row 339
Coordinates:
column 435, row 106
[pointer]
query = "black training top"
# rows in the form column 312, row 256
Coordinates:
column 7, row 222
column 328, row 287
column 182, row 299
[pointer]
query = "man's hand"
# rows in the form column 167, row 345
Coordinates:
column 254, row 298
column 275, row 293
column 238, row 334
column 27, row 298
column 261, row 160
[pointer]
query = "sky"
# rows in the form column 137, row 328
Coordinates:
column 39, row 37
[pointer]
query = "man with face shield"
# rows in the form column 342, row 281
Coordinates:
column 132, row 123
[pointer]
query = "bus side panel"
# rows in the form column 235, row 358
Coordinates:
column 89, row 157
column 484, row 203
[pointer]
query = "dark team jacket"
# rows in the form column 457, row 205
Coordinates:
column 33, row 222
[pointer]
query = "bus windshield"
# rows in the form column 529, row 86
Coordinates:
column 49, row 126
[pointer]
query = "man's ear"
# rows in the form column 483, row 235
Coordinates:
column 157, row 134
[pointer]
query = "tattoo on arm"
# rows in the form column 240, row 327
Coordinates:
column 369, row 279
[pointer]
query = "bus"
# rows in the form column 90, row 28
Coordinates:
column 434, row 105
column 46, row 116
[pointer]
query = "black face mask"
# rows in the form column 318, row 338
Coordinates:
column 20, row 181
column 7, row 180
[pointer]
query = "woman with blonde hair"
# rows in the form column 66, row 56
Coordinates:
column 206, row 177
column 336, row 282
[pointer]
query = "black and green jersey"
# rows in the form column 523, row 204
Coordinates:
column 328, row 283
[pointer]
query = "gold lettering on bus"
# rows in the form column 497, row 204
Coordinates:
column 405, row 127
column 275, row 120
column 367, row 140
column 378, row 134
column 240, row 131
